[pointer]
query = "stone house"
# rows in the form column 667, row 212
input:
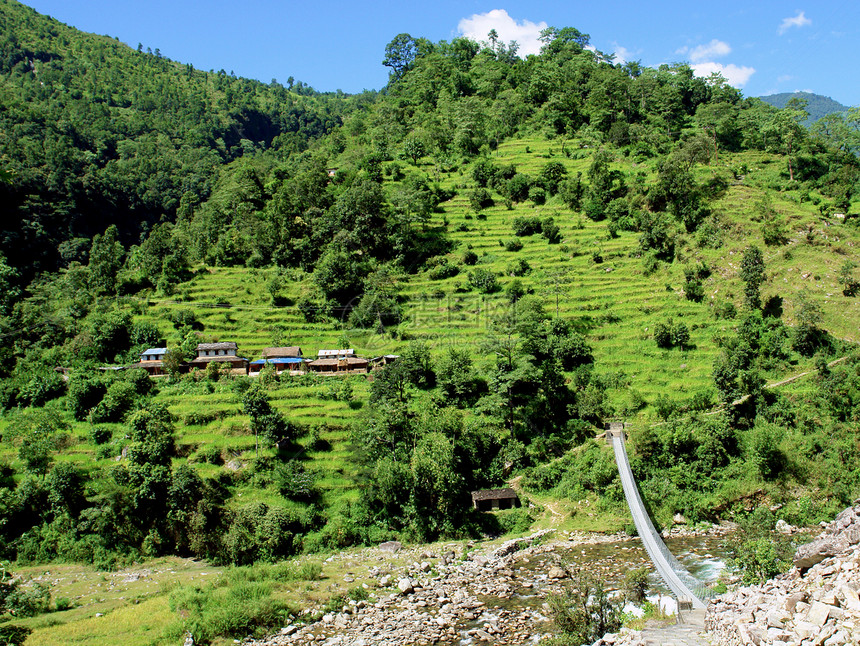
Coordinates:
column 491, row 499
column 223, row 353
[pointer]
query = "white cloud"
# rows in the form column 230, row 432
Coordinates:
column 622, row 54
column 713, row 49
column 526, row 33
column 735, row 75
column 800, row 20
column 784, row 77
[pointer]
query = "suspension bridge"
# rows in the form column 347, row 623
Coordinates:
column 679, row 580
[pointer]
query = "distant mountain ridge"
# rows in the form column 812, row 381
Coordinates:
column 818, row 105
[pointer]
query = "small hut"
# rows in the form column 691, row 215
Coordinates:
column 152, row 360
column 490, row 499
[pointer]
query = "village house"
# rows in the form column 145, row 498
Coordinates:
column 152, row 360
column 491, row 499
column 282, row 359
column 224, row 353
column 342, row 361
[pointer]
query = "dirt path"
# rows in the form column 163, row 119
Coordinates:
column 557, row 516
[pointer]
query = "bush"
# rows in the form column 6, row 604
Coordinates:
column 184, row 317
column 550, row 231
column 513, row 245
column 519, row 267
column 517, row 188
column 667, row 335
column 443, row 269
column 680, row 335
column 100, row 435
column 514, row 521
column 537, row 195
column 470, row 258
column 233, row 610
column 484, row 281
column 584, row 612
column 115, row 404
column 526, row 226
column 479, row 199
column 208, row 455
column 636, row 584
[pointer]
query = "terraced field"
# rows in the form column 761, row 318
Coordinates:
column 595, row 280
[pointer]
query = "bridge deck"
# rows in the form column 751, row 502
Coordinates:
column 682, row 584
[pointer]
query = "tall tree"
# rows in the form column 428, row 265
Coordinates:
column 400, row 54
column 752, row 273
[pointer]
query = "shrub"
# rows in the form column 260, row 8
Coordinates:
column 513, row 245
column 680, row 335
column 667, row 335
column 115, row 404
column 519, row 268
column 63, row 603
column 470, row 258
column 693, row 276
column 184, row 317
column 636, row 584
column 515, row 290
column 583, row 612
column 208, row 454
column 479, row 199
column 526, row 226
column 311, row 309
column 517, row 188
column 443, row 269
column 725, row 310
column 233, row 610
column 484, row 281
column 537, row 195
column 550, row 231
column 100, row 435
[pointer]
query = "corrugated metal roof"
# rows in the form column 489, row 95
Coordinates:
column 323, row 362
column 219, row 359
column 325, row 354
column 276, row 360
column 154, row 351
column 223, row 345
column 290, row 351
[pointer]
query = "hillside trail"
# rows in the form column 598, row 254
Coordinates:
column 556, row 518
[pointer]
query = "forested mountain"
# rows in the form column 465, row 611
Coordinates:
column 817, row 105
column 546, row 242
column 96, row 133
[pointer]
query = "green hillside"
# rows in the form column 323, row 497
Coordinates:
column 547, row 244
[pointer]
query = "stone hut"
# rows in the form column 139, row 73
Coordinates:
column 491, row 499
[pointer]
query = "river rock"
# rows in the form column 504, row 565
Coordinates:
column 556, row 573
column 405, row 585
column 391, row 546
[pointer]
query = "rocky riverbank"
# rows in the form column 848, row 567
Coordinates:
column 443, row 598
column 815, row 604
column 461, row 592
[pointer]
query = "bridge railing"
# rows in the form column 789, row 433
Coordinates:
column 676, row 576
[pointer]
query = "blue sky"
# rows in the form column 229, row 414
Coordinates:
column 761, row 46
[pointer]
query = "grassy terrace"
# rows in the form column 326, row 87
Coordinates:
column 614, row 302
